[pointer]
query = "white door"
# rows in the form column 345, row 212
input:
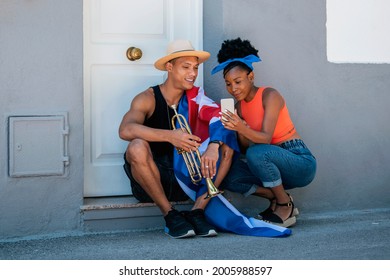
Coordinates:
column 111, row 80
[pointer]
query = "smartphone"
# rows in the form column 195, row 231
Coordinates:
column 227, row 104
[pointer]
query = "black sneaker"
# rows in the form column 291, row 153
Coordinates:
column 197, row 219
column 177, row 226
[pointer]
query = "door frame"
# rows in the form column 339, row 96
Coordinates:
column 195, row 34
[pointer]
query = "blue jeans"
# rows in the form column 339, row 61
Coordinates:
column 290, row 164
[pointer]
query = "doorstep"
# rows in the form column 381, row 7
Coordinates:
column 121, row 213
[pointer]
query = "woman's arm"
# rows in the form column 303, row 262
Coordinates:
column 273, row 103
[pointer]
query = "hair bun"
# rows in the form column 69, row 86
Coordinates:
column 235, row 48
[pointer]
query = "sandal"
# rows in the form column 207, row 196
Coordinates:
column 271, row 207
column 269, row 210
column 276, row 220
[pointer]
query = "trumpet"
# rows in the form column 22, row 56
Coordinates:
column 192, row 159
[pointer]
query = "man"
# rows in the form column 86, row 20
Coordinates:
column 150, row 154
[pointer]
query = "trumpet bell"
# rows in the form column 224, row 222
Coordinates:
column 211, row 189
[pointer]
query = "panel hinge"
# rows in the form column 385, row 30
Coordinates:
column 65, row 158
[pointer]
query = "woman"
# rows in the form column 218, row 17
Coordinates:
column 276, row 159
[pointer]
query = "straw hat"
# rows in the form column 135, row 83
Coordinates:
column 180, row 48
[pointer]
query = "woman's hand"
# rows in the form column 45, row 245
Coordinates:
column 232, row 121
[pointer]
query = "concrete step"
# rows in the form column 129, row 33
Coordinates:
column 126, row 213
column 123, row 213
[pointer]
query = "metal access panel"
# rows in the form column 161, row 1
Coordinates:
column 38, row 145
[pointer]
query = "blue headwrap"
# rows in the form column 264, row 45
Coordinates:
column 248, row 60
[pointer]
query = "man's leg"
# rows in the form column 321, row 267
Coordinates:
column 144, row 170
column 146, row 173
column 224, row 166
column 196, row 215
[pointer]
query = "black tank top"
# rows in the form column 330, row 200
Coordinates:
column 161, row 118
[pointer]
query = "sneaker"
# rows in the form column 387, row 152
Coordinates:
column 197, row 219
column 177, row 226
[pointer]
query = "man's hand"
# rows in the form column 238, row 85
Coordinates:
column 209, row 160
column 183, row 140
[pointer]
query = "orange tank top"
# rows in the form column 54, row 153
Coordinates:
column 253, row 113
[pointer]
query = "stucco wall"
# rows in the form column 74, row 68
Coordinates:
column 340, row 110
column 41, row 63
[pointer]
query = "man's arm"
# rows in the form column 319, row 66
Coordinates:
column 225, row 164
column 132, row 126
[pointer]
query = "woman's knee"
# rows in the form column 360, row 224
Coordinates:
column 257, row 153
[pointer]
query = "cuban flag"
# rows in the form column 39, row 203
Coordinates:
column 202, row 115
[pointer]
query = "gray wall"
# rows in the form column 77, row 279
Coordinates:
column 340, row 110
column 41, row 63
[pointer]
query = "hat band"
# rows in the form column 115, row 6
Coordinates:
column 189, row 50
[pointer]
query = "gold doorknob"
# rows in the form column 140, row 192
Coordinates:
column 133, row 53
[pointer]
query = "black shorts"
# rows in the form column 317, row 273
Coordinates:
column 171, row 187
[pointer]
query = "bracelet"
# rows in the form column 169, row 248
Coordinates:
column 216, row 142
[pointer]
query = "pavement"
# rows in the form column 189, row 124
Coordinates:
column 347, row 235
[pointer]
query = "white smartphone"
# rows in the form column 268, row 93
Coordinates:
column 227, row 104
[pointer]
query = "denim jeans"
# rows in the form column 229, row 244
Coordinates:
column 290, row 164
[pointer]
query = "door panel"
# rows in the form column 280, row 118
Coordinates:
column 111, row 80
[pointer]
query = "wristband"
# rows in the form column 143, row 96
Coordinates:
column 216, row 142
